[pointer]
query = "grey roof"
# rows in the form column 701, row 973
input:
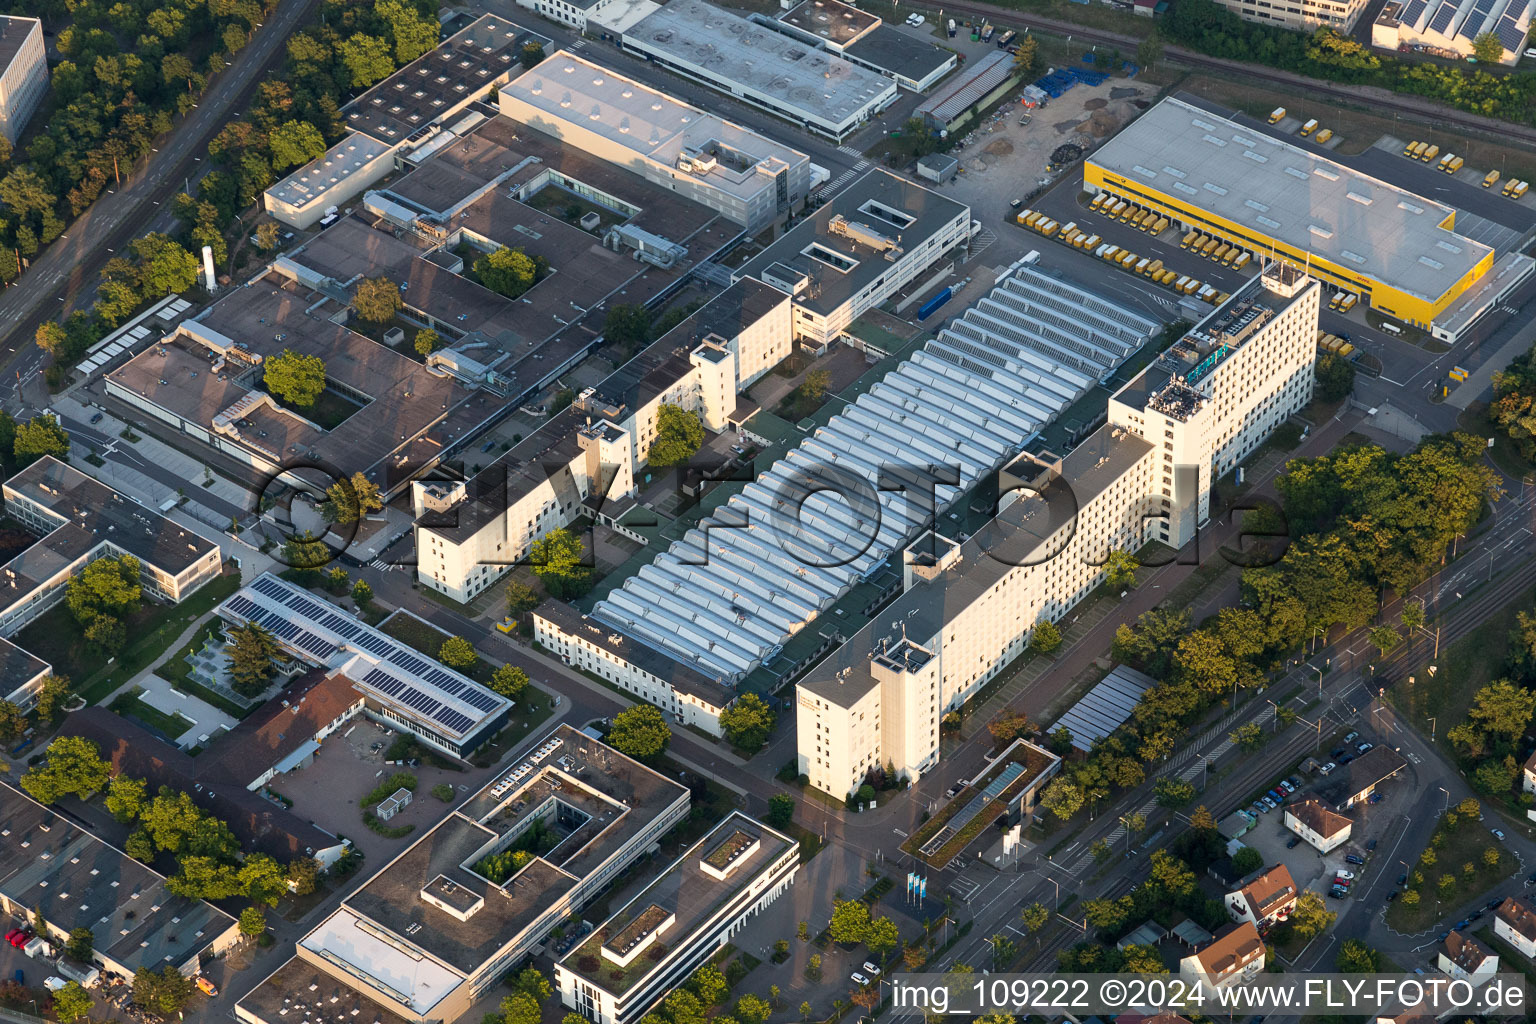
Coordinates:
column 1106, row 707
column 829, row 287
column 837, row 23
column 813, row 83
column 726, row 597
column 77, row 881
column 18, row 668
column 330, row 173
column 966, row 89
column 13, row 34
column 1014, row 537
column 679, row 676
column 299, row 986
column 1301, row 199
column 896, row 53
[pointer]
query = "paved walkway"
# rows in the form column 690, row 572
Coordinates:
column 1480, row 379
column 206, row 719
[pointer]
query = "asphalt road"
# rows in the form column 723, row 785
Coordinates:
column 72, row 263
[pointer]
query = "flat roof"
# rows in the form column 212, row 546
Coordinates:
column 686, row 891
column 388, row 671
column 896, row 53
column 966, row 89
column 612, row 797
column 77, row 881
column 567, row 89
column 18, row 667
column 13, row 35
column 441, row 82
column 923, row 212
column 814, row 83
column 318, row 178
column 1299, row 198
column 1106, row 707
column 837, row 23
column 300, row 988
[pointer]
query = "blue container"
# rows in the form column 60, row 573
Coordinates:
column 927, row 308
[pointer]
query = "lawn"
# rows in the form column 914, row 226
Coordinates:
column 58, row 639
column 130, row 706
column 1464, row 666
column 1460, row 844
column 558, row 202
column 176, row 671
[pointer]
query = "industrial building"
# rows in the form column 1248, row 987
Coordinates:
column 678, row 922
column 411, row 110
column 23, row 72
column 1452, row 25
column 78, row 520
column 872, row 240
column 970, row 606
column 977, row 87
column 400, row 688
column 763, row 566
column 448, row 918
column 584, row 461
column 53, row 870
column 865, row 39
column 1399, row 251
column 814, row 88
column 1300, row 15
column 745, row 176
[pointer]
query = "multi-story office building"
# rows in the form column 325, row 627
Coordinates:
column 1301, row 15
column 678, row 922
column 23, row 72
column 970, row 607
column 78, row 520
column 871, row 241
column 445, row 920
column 747, row 177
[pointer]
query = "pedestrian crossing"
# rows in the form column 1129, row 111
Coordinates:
column 835, row 184
column 851, row 151
column 383, row 566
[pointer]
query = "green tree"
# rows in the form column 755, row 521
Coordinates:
column 294, row 378
column 80, row 945
column 414, row 33
column 377, row 299
column 640, row 732
column 815, row 384
column 531, row 55
column 1496, row 777
column 262, row 879
column 125, row 797
column 1149, row 51
column 1046, row 639
column 294, row 142
column 165, row 993
column 882, row 936
column 679, row 434
column 252, row 654
column 13, row 723
column 781, row 811
column 509, row 272
column 350, row 499
column 748, row 721
column 362, row 593
column 752, row 1009
column 1248, row 736
column 1173, row 792
column 1355, row 957
column 509, row 681
column 164, row 266
column 456, row 652
column 557, row 562
column 1026, row 60
column 850, row 921
column 1335, row 377
column 521, row 598
column 1488, row 48
column 267, row 235
column 1120, row 569
column 252, row 922
column 50, row 337
column 1034, row 917
column 1063, row 798
column 366, row 59
column 709, row 985
column 72, row 1002
column 1384, row 638
column 532, row 982
column 303, row 875
column 627, row 325
column 52, row 693
column 25, row 192
column 1311, row 917
column 427, row 342
column 106, row 586
column 37, row 437
column 73, row 766
column 1503, row 709
column 1247, row 860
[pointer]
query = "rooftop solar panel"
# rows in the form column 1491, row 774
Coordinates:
column 269, row 586
column 1442, row 18
column 454, row 720
column 1413, row 11
column 479, row 699
column 1516, row 9
column 1510, row 33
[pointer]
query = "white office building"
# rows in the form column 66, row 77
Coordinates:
column 24, row 77
column 970, row 607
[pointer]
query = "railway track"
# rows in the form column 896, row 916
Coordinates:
column 1377, row 99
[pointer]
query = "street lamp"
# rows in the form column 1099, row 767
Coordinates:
column 1277, row 713
column 1431, row 728
column 1447, row 799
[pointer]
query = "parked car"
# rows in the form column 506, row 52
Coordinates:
column 1497, row 834
column 1347, row 875
column 1493, row 903
column 1462, row 923
column 98, row 417
column 1362, row 748
column 1375, row 798
column 1286, row 785
column 1346, row 759
column 1325, row 769
column 1338, row 893
column 1370, row 846
column 859, row 979
column 1391, row 895
column 1336, row 753
column 1353, row 858
column 1403, row 879
column 1293, row 842
column 1269, row 803
column 1277, row 796
column 871, row 970
column 1351, row 737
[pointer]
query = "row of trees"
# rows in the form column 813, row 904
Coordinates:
column 1514, row 404
column 208, row 857
column 100, row 597
column 1212, row 29
column 22, row 444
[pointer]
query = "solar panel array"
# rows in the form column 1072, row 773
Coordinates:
column 1442, row 18
column 400, row 675
column 1412, row 12
column 1511, row 30
column 1472, row 27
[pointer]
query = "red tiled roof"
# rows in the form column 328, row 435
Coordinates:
column 1234, row 946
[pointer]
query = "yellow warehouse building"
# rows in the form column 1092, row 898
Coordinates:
column 1356, row 233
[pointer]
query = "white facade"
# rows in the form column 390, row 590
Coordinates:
column 1515, row 923
column 354, row 164
column 1319, row 826
column 25, row 77
column 1145, row 475
column 697, row 908
column 1303, row 15
column 1234, row 957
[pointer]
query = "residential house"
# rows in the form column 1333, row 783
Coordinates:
column 1323, row 828
column 1515, row 923
column 1265, row 900
column 1464, row 958
column 1234, row 957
